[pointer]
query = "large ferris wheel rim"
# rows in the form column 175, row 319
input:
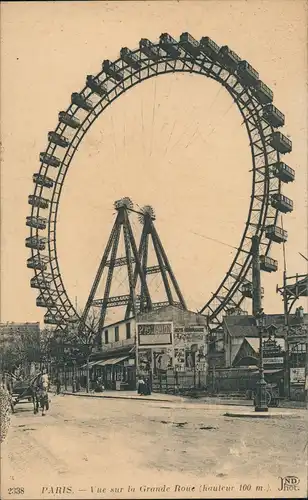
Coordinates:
column 167, row 60
column 115, row 97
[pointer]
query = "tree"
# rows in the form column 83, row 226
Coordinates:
column 47, row 336
column 22, row 349
column 84, row 338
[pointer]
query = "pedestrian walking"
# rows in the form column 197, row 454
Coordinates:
column 43, row 386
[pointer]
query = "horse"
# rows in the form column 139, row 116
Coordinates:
column 40, row 399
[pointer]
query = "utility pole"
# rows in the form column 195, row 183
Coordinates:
column 306, row 371
column 286, row 322
column 287, row 327
column 260, row 400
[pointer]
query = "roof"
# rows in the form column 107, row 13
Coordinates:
column 163, row 312
column 121, row 322
column 240, row 326
column 18, row 328
column 155, row 312
column 111, row 361
column 269, row 372
column 254, row 343
column 113, row 351
column 244, row 326
column 104, row 362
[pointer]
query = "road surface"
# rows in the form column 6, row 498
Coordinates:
column 91, row 448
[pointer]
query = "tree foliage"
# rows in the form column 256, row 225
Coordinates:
column 22, row 347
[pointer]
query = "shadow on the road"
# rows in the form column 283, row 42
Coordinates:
column 23, row 410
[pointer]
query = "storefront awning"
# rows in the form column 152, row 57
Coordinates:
column 270, row 372
column 111, row 361
column 91, row 363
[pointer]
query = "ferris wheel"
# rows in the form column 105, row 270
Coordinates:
column 254, row 100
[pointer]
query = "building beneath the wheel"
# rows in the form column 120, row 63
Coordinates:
column 234, row 363
column 167, row 345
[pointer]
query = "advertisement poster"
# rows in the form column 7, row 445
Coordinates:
column 151, row 334
column 162, row 360
column 179, row 359
column 297, row 375
column 190, row 348
column 144, row 360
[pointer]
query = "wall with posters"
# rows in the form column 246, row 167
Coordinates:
column 190, row 348
column 297, row 376
column 171, row 346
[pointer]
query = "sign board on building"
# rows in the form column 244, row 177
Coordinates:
column 129, row 362
column 153, row 334
column 273, row 361
column 297, row 375
column 188, row 334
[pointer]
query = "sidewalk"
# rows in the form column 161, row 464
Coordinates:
column 272, row 413
column 160, row 397
column 127, row 395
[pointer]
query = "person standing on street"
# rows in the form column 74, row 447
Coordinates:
column 58, row 385
column 43, row 386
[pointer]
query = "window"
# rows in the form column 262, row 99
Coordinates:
column 116, row 334
column 128, row 330
column 106, row 336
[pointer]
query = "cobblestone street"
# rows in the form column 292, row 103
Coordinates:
column 86, row 444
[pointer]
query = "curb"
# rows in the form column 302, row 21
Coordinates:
column 261, row 415
column 118, row 397
column 188, row 400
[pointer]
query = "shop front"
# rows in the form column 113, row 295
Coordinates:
column 117, row 373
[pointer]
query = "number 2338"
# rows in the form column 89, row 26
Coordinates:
column 16, row 491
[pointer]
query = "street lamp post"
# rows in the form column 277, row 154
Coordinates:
column 260, row 400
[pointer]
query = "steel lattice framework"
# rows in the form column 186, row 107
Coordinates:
column 254, row 102
column 133, row 257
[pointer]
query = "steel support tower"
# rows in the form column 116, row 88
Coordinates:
column 136, row 262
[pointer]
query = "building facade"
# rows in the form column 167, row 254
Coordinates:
column 241, row 340
column 14, row 332
column 284, row 355
column 167, row 346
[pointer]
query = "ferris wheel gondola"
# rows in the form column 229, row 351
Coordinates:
column 254, row 100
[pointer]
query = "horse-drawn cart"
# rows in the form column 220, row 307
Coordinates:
column 23, row 391
column 30, row 390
